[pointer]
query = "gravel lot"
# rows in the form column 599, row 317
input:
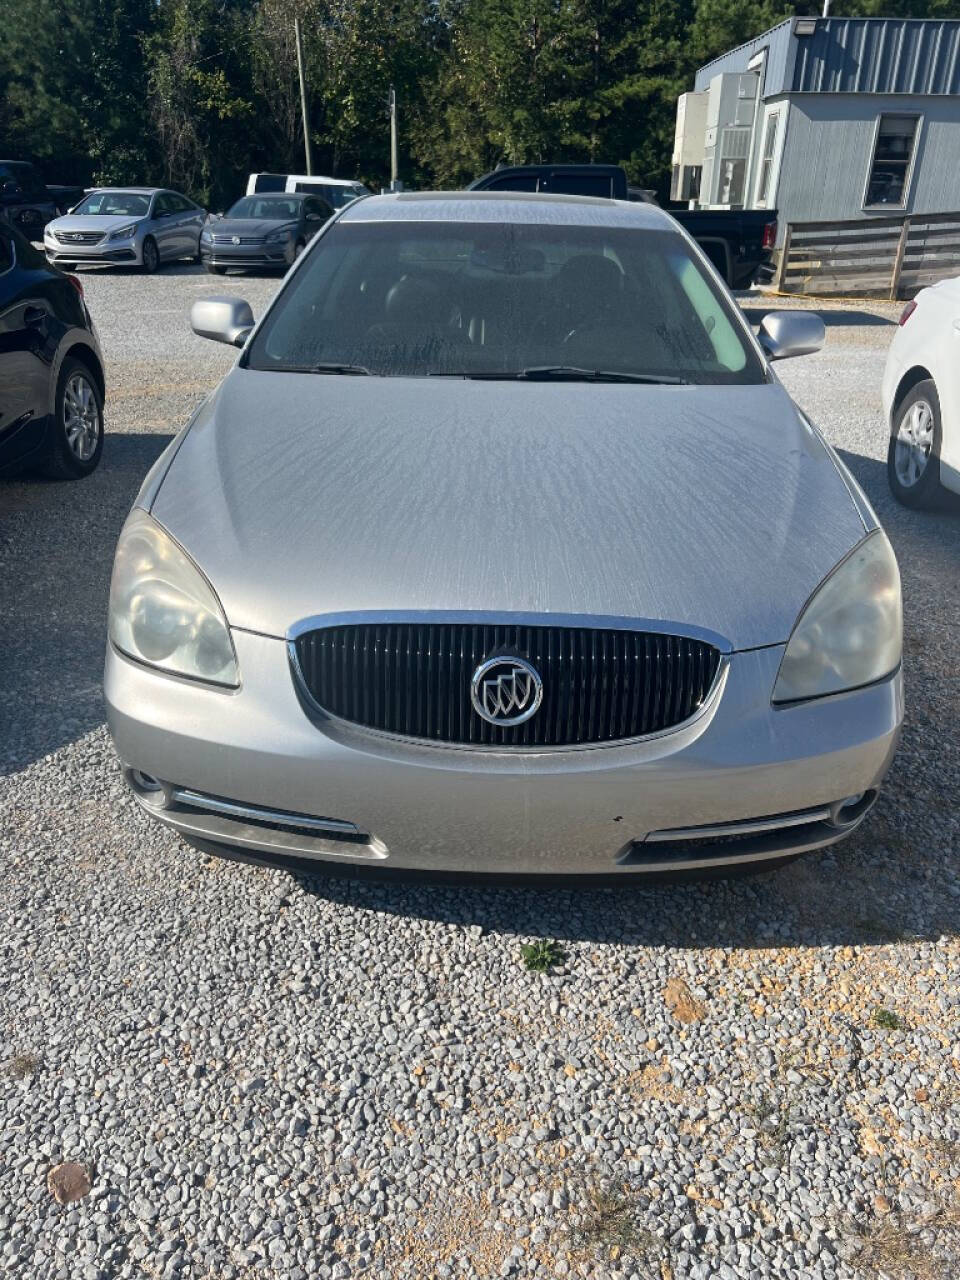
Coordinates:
column 269, row 1077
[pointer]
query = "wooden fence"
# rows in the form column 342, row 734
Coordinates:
column 869, row 258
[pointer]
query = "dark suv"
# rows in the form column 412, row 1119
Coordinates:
column 51, row 367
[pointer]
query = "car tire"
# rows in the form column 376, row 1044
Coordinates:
column 151, row 256
column 216, row 271
column 913, row 459
column 77, row 424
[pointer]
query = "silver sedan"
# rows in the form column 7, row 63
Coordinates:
column 503, row 549
column 133, row 226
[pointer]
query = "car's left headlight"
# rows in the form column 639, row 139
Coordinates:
column 850, row 632
column 278, row 237
column 123, row 233
column 163, row 611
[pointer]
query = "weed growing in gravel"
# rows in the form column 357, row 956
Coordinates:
column 541, row 955
column 887, row 1019
column 772, row 1116
column 22, row 1065
column 898, row 1246
column 608, row 1222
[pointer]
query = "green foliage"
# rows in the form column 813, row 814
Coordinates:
column 887, row 1020
column 198, row 93
column 542, row 955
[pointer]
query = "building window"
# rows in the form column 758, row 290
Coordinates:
column 766, row 157
column 893, row 152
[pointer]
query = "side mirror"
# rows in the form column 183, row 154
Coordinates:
column 221, row 319
column 791, row 333
column 10, row 191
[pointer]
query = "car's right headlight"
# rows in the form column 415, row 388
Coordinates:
column 850, row 632
column 163, row 611
column 206, row 235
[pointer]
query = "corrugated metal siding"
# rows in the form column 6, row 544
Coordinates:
column 779, row 44
column 879, row 55
column 853, row 55
column 829, row 148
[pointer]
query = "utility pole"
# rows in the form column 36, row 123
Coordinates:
column 303, row 96
column 392, row 102
column 826, row 8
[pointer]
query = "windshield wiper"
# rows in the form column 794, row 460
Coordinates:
column 573, row 373
column 323, row 367
column 331, row 366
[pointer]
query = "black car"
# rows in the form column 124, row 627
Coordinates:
column 27, row 203
column 264, row 230
column 738, row 242
column 51, row 367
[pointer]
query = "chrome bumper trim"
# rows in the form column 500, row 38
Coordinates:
column 195, row 800
column 750, row 827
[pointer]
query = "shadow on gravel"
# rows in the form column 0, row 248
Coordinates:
column 831, row 319
column 56, row 553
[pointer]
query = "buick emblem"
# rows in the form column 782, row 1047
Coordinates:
column 234, row 239
column 506, row 691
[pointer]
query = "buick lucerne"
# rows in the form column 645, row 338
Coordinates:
column 503, row 549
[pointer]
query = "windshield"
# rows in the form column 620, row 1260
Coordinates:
column 339, row 197
column 279, row 208
column 123, row 203
column 406, row 299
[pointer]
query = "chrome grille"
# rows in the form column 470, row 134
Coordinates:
column 227, row 239
column 414, row 679
column 79, row 237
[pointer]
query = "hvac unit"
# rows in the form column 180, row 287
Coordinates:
column 688, row 146
column 731, row 107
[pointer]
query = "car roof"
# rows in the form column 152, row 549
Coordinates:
column 131, row 191
column 316, row 177
column 507, row 206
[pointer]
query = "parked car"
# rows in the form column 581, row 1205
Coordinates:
column 496, row 601
column 262, row 231
column 739, row 242
column 134, row 226
column 26, row 202
column 337, row 191
column 921, row 397
column 51, row 367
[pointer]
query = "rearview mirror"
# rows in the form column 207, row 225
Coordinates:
column 791, row 333
column 226, row 320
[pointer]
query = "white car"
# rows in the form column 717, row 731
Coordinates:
column 338, row 191
column 921, row 397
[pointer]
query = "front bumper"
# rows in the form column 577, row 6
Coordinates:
column 253, row 769
column 273, row 256
column 123, row 251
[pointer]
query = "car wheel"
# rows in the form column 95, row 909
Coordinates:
column 78, row 424
column 151, row 255
column 216, row 271
column 913, row 460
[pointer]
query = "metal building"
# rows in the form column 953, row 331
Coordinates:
column 827, row 119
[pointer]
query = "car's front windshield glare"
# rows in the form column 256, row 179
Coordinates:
column 278, row 208
column 407, row 299
column 122, row 203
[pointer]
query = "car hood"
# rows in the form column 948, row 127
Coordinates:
column 94, row 221
column 249, row 226
column 713, row 508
